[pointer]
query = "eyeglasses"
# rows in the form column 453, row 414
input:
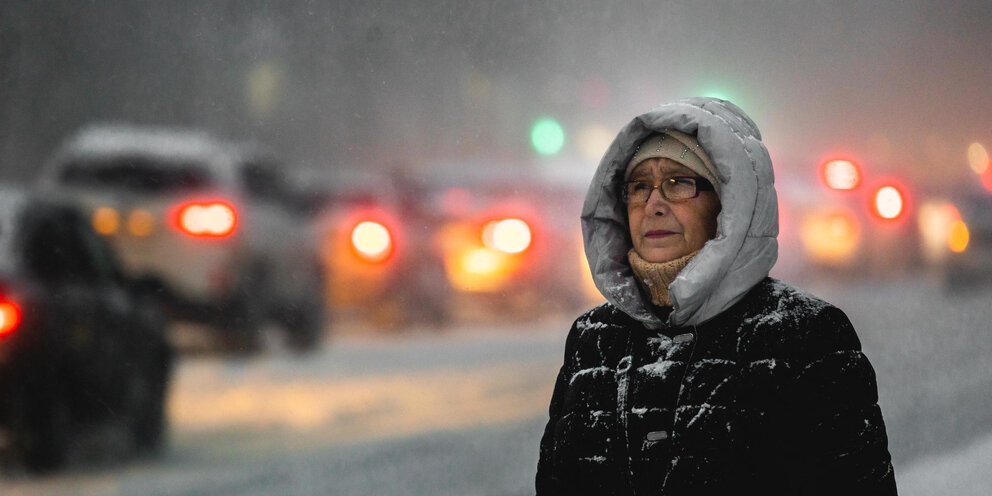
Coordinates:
column 673, row 189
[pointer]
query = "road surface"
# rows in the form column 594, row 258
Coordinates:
column 461, row 412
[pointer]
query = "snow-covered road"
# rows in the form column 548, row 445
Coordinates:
column 460, row 413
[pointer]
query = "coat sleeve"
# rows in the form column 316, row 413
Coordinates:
column 547, row 478
column 835, row 440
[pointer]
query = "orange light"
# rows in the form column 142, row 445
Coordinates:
column 841, row 175
column 209, row 219
column 987, row 179
column 481, row 261
column 471, row 266
column 957, row 239
column 507, row 235
column 10, row 317
column 888, row 202
column 480, row 269
column 831, row 236
column 372, row 241
column 141, row 223
column 106, row 221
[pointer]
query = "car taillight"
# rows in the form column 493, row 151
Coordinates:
column 10, row 317
column 841, row 175
column 106, row 220
column 507, row 235
column 958, row 237
column 372, row 241
column 888, row 202
column 207, row 219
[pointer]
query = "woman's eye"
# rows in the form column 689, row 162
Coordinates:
column 641, row 186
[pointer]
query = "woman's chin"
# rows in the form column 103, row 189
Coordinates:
column 661, row 255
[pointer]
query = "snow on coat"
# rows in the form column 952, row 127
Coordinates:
column 747, row 386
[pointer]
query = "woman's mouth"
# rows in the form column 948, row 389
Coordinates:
column 658, row 234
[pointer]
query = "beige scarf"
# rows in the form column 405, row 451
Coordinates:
column 655, row 277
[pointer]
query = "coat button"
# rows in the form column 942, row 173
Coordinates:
column 683, row 338
column 657, row 436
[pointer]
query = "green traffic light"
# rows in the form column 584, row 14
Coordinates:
column 547, row 136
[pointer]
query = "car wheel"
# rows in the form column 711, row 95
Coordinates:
column 246, row 312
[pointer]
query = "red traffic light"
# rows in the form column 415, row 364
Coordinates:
column 841, row 175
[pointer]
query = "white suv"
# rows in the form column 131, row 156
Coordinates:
column 212, row 219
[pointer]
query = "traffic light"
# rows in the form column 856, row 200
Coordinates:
column 547, row 136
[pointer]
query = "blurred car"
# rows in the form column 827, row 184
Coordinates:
column 215, row 221
column 849, row 223
column 81, row 345
column 376, row 239
column 452, row 242
column 969, row 241
column 511, row 241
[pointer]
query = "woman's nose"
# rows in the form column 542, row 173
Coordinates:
column 656, row 204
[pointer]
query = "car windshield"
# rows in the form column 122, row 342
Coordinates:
column 137, row 174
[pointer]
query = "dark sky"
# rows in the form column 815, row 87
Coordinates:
column 899, row 85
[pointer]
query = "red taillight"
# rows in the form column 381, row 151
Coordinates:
column 372, row 241
column 888, row 202
column 841, row 175
column 208, row 219
column 507, row 235
column 10, row 317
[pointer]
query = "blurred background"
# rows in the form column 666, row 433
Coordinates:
column 295, row 247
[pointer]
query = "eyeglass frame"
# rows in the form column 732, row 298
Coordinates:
column 701, row 184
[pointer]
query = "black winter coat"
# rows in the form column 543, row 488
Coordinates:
column 771, row 397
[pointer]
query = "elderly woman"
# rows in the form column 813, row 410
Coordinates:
column 700, row 374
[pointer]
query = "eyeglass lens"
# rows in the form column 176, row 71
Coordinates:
column 674, row 189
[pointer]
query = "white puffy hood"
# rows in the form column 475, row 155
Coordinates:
column 745, row 247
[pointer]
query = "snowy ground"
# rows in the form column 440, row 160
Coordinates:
column 461, row 413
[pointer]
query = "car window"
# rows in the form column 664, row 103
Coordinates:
column 141, row 174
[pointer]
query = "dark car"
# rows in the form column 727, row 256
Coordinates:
column 82, row 347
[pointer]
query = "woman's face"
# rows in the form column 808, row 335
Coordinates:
column 663, row 231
